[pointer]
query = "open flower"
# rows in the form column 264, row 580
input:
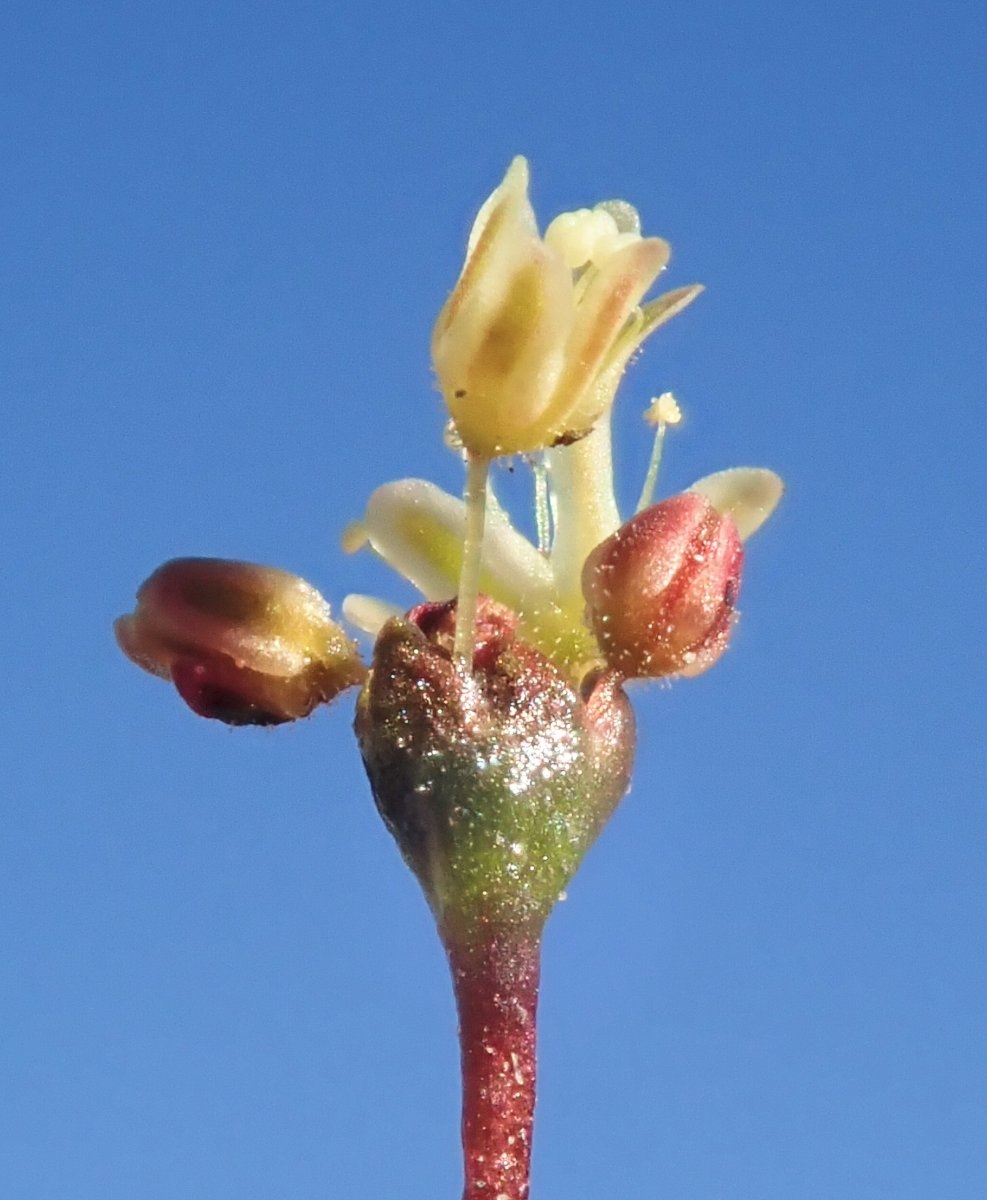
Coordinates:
column 245, row 644
column 530, row 346
column 417, row 529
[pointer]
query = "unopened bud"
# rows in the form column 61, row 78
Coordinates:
column 243, row 643
column 661, row 591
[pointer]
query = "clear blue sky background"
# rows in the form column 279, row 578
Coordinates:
column 225, row 230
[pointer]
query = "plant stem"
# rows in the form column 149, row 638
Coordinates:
column 496, row 986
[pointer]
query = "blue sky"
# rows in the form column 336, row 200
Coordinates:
column 226, row 231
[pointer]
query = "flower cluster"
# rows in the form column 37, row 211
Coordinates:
column 492, row 719
column 530, row 346
column 528, row 351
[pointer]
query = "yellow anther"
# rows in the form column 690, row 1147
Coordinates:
column 576, row 235
column 663, row 410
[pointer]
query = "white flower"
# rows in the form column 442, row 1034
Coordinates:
column 529, row 350
column 417, row 529
column 530, row 346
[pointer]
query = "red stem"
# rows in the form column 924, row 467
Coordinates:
column 496, row 988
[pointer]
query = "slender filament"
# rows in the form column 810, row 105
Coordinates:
column 475, row 498
column 654, row 464
column 543, row 518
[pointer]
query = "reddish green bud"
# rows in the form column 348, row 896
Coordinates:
column 660, row 592
column 245, row 644
column 493, row 782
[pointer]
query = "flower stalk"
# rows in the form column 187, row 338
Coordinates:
column 496, row 989
column 494, row 783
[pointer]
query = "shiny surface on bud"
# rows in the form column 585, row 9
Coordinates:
column 494, row 783
column 243, row 643
column 661, row 591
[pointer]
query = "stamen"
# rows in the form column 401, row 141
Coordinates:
column 663, row 408
column 543, row 516
column 574, row 235
column 475, row 499
column 663, row 411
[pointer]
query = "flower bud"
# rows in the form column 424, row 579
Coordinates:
column 660, row 592
column 245, row 644
column 494, row 782
column 530, row 344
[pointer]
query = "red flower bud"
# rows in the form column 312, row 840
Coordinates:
column 661, row 591
column 245, row 644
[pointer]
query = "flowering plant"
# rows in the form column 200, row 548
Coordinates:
column 492, row 717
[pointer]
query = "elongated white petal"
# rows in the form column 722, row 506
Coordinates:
column 368, row 613
column 748, row 494
column 418, row 529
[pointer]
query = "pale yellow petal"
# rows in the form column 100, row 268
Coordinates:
column 418, row 530
column 368, row 613
column 610, row 298
column 748, row 494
